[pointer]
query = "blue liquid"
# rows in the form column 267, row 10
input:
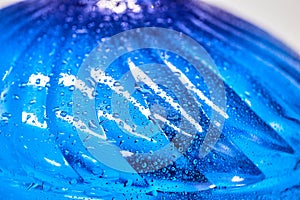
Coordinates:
column 44, row 45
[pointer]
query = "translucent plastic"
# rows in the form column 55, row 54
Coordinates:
column 90, row 109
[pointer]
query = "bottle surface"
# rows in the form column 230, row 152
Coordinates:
column 145, row 100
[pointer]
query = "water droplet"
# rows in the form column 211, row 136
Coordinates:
column 63, row 113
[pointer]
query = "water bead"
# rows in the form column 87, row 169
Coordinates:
column 145, row 99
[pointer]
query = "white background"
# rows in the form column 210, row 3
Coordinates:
column 279, row 17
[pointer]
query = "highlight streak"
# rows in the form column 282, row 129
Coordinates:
column 190, row 86
column 141, row 76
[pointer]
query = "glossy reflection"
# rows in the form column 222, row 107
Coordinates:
column 43, row 46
